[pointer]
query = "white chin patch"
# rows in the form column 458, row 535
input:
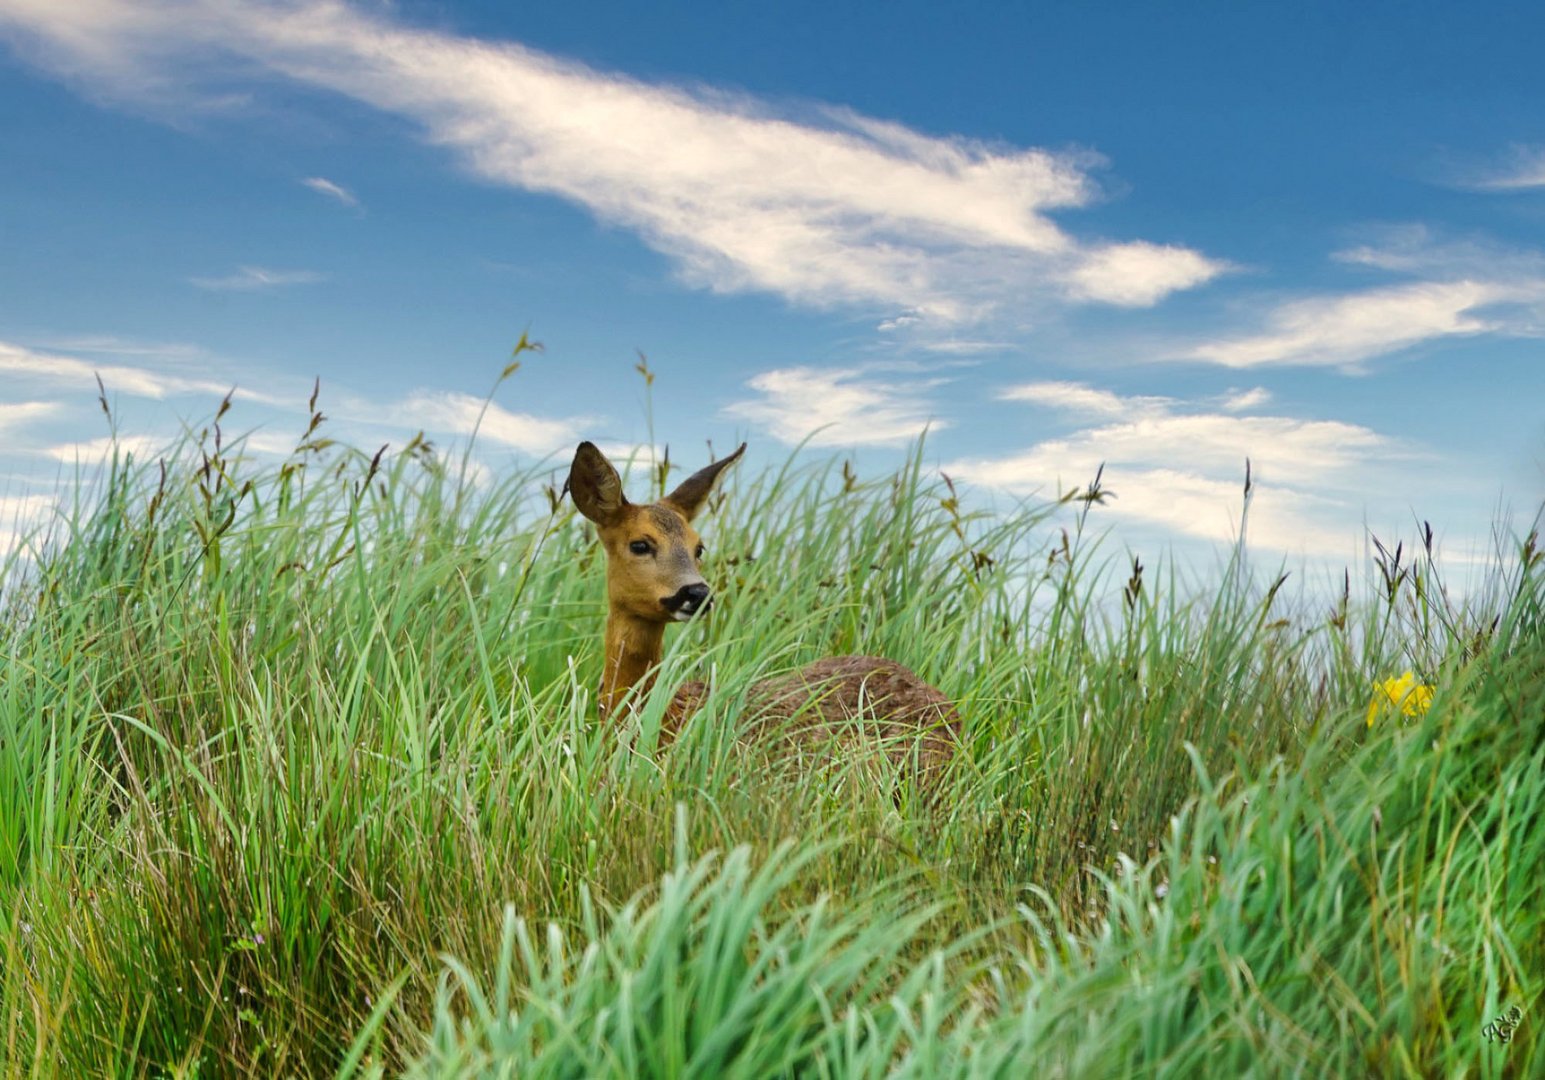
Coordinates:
column 682, row 615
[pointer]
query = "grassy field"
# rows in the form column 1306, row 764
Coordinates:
column 299, row 775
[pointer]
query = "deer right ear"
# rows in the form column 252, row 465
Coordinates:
column 693, row 492
column 595, row 485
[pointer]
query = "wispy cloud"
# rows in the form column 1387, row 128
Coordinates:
column 1420, row 251
column 1523, row 170
column 838, row 406
column 94, row 451
column 457, row 414
column 1341, row 331
column 1245, row 400
column 255, row 278
column 73, row 373
column 1462, row 288
column 964, row 346
column 1075, row 397
column 16, row 413
column 824, row 206
column 355, row 416
column 112, row 345
column 20, row 515
column 1182, row 469
column 323, row 186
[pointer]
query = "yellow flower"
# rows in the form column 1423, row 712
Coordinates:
column 1405, row 693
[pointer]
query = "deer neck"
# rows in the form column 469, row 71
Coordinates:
column 633, row 650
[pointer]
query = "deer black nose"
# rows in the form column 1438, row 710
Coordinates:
column 689, row 600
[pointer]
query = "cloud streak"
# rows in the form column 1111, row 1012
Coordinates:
column 837, row 407
column 1182, row 469
column 457, row 414
column 94, row 451
column 69, row 372
column 257, row 279
column 1525, row 171
column 323, row 186
column 1341, row 331
column 14, row 414
column 828, row 208
column 1461, row 289
column 21, row 515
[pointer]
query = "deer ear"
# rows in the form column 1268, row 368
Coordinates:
column 693, row 491
column 595, row 485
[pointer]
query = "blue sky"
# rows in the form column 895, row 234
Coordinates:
column 1059, row 235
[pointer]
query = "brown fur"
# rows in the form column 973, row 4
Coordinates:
column 840, row 699
column 846, row 699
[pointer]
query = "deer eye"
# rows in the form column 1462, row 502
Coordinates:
column 699, row 552
column 641, row 547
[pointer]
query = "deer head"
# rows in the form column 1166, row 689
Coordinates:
column 653, row 574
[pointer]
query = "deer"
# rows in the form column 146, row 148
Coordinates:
column 654, row 578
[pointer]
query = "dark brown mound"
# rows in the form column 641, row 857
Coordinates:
column 848, row 698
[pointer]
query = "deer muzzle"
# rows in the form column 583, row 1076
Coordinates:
column 687, row 601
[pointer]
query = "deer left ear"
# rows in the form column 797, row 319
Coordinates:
column 595, row 485
column 690, row 495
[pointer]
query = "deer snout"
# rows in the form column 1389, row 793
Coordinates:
column 689, row 600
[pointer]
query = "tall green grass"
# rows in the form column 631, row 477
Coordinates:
column 299, row 773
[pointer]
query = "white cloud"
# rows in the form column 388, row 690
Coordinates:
column 323, row 186
column 452, row 413
column 1463, row 287
column 1245, row 400
column 110, row 345
column 1184, row 470
column 1139, row 274
column 827, row 208
column 1420, row 251
column 251, row 444
column 837, row 407
column 900, row 322
column 1525, row 171
column 356, row 419
column 254, row 278
column 1073, row 397
column 94, row 451
column 20, row 515
column 55, row 369
column 1283, row 449
column 1281, row 519
column 17, row 413
column 1342, row 331
column 964, row 346
column 24, row 508
column 269, row 443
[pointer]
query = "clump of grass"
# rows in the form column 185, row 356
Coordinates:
column 277, row 737
column 696, row 982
